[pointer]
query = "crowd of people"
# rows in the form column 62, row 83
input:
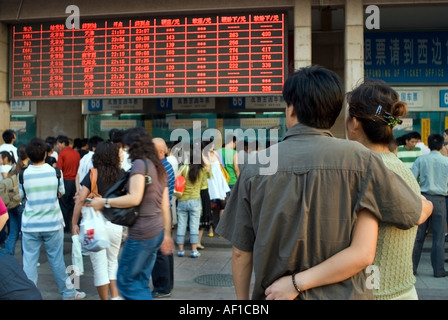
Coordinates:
column 316, row 227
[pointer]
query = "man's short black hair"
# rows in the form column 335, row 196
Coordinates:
column 62, row 139
column 435, row 141
column 36, row 149
column 413, row 135
column 317, row 95
column 8, row 136
column 93, row 141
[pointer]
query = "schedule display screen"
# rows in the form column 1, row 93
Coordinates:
column 214, row 55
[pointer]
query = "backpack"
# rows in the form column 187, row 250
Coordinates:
column 9, row 191
column 58, row 175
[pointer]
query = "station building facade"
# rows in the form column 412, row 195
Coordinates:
column 402, row 42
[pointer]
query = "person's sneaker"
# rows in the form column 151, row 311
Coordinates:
column 117, row 298
column 180, row 253
column 195, row 254
column 79, row 295
column 161, row 295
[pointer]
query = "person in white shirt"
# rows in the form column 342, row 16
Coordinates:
column 9, row 137
column 116, row 136
column 423, row 147
column 85, row 164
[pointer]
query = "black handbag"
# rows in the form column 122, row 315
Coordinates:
column 123, row 216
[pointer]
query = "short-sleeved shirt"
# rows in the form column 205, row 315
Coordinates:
column 193, row 189
column 227, row 155
column 300, row 208
column 171, row 176
column 68, row 162
column 102, row 186
column 408, row 156
column 150, row 221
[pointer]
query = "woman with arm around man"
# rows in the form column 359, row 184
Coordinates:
column 152, row 230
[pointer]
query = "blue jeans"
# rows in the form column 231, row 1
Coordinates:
column 15, row 223
column 188, row 210
column 53, row 242
column 438, row 222
column 135, row 267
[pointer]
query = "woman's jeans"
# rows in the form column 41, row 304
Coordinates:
column 135, row 267
column 189, row 210
column 15, row 224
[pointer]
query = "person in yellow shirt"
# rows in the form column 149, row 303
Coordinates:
column 189, row 206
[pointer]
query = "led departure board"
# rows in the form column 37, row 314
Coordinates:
column 214, row 55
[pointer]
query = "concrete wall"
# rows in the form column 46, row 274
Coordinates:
column 55, row 117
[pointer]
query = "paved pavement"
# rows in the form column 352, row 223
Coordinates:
column 209, row 276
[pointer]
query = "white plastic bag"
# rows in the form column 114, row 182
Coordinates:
column 93, row 232
column 77, row 260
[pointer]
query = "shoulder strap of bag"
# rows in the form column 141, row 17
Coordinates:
column 148, row 178
column 21, row 181
column 58, row 175
column 93, row 183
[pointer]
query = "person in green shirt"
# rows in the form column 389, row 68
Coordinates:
column 409, row 152
column 230, row 159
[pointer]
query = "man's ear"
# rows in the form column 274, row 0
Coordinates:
column 290, row 111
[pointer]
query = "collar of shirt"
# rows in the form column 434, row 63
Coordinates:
column 300, row 129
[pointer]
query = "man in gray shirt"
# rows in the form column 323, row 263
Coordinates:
column 304, row 211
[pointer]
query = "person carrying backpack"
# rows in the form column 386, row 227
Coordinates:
column 42, row 220
column 15, row 213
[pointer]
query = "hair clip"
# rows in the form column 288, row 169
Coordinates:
column 386, row 117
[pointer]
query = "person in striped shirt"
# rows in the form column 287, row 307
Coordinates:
column 409, row 152
column 42, row 220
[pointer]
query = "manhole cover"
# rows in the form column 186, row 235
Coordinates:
column 215, row 280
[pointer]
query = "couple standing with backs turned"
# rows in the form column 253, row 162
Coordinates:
column 330, row 200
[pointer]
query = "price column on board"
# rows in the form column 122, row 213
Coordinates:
column 267, row 37
column 233, row 54
column 142, row 67
column 202, row 50
column 169, row 56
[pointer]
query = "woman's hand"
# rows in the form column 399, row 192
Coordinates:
column 281, row 289
column 97, row 203
column 167, row 246
column 75, row 229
